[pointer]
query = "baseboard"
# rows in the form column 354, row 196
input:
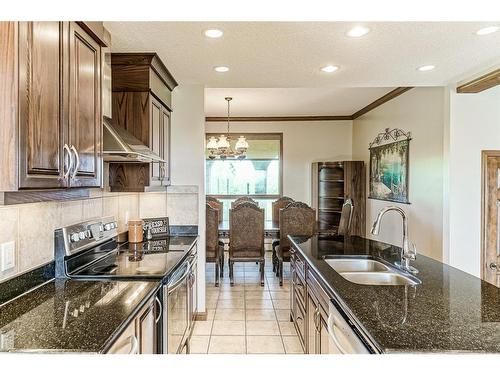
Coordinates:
column 200, row 316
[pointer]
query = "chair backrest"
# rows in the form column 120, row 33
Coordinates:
column 246, row 228
column 296, row 219
column 277, row 206
column 243, row 200
column 217, row 204
column 346, row 218
column 212, row 230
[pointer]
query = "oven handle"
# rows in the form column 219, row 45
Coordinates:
column 134, row 345
column 159, row 309
column 172, row 287
column 331, row 327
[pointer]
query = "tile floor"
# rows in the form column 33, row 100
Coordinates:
column 247, row 318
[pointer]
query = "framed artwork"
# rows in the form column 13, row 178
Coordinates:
column 389, row 166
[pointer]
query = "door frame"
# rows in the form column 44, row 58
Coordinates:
column 485, row 200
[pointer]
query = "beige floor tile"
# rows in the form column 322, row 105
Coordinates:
column 210, row 314
column 287, row 329
column 235, row 303
column 283, row 315
column 202, row 328
column 281, row 303
column 199, row 344
column 256, row 286
column 210, row 294
column 211, row 303
column 292, row 345
column 228, row 328
column 265, row 304
column 259, row 314
column 257, row 294
column 227, row 345
column 230, row 314
column 279, row 295
column 265, row 345
column 259, row 328
column 232, row 294
column 227, row 287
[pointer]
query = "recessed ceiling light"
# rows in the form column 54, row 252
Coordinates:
column 213, row 33
column 221, row 69
column 329, row 68
column 487, row 30
column 358, row 31
column 426, row 68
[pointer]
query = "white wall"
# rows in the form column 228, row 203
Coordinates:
column 421, row 111
column 187, row 193
column 303, row 143
column 474, row 126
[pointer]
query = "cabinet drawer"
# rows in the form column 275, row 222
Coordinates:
column 299, row 288
column 298, row 263
column 316, row 288
column 299, row 320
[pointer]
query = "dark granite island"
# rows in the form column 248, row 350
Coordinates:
column 449, row 311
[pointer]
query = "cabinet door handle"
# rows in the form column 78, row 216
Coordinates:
column 77, row 165
column 134, row 345
column 159, row 309
column 70, row 166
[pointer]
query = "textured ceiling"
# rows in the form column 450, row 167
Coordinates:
column 289, row 54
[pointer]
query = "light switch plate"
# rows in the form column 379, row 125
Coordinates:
column 7, row 256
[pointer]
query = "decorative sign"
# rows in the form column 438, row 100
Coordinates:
column 156, row 227
column 389, row 166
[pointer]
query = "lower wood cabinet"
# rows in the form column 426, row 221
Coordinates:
column 140, row 336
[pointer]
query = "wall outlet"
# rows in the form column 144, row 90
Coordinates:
column 7, row 256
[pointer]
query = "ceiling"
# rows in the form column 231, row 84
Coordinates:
column 290, row 101
column 289, row 54
column 275, row 66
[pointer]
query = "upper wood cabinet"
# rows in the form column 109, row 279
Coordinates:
column 142, row 105
column 50, row 106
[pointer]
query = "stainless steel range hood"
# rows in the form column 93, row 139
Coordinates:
column 121, row 146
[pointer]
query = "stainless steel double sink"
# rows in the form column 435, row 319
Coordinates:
column 369, row 271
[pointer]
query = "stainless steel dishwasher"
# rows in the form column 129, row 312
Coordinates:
column 342, row 337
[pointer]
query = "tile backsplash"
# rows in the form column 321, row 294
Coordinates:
column 31, row 226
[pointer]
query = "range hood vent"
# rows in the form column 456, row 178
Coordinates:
column 121, row 146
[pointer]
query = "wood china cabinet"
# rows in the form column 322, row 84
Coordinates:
column 142, row 89
column 50, row 106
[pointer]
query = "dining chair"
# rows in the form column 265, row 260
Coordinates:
column 217, row 204
column 277, row 205
column 243, row 200
column 345, row 218
column 296, row 219
column 246, row 237
column 214, row 248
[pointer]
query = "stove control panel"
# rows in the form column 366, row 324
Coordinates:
column 77, row 237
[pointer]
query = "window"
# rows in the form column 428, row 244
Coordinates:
column 258, row 176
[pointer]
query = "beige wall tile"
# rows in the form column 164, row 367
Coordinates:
column 36, row 245
column 183, row 209
column 128, row 208
column 8, row 232
column 152, row 205
column 110, row 206
column 93, row 208
column 70, row 212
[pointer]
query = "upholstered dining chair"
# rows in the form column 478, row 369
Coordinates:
column 214, row 247
column 296, row 219
column 243, row 200
column 276, row 207
column 246, row 237
column 217, row 204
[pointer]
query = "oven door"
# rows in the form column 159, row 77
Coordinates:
column 177, row 313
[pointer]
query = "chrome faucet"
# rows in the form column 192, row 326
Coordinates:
column 408, row 252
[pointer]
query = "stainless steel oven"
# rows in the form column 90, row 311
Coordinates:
column 176, row 303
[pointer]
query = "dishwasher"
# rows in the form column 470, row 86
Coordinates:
column 342, row 337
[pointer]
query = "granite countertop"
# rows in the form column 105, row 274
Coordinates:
column 45, row 319
column 449, row 311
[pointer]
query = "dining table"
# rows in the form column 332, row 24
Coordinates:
column 271, row 229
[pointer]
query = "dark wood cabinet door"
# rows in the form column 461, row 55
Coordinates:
column 41, row 161
column 84, row 127
column 155, row 139
column 166, row 146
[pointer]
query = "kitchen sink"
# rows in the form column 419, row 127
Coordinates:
column 379, row 278
column 367, row 271
column 356, row 265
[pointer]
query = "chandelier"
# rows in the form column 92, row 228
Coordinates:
column 222, row 147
